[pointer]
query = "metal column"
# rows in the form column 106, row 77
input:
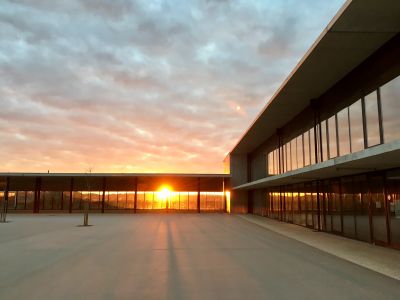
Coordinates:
column 3, row 216
column 135, row 199
column 103, row 196
column 198, row 194
column 70, row 194
column 36, row 201
column 223, row 195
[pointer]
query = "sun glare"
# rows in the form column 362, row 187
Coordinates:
column 164, row 192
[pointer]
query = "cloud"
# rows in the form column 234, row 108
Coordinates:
column 142, row 85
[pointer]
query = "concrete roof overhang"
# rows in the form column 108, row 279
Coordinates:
column 381, row 157
column 359, row 29
column 114, row 181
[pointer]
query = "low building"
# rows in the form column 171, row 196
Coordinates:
column 325, row 151
column 112, row 192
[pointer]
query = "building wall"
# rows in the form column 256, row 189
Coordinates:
column 360, row 111
column 356, row 113
column 239, row 202
column 364, row 207
column 239, row 169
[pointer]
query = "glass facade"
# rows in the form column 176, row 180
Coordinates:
column 370, row 121
column 390, row 99
column 115, row 201
column 364, row 207
column 356, row 127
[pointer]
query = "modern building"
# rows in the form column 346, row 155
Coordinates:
column 325, row 151
column 28, row 192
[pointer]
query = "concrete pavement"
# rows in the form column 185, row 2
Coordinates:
column 380, row 259
column 171, row 256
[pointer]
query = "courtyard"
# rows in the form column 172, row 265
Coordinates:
column 171, row 256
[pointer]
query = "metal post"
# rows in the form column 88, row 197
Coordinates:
column 316, row 122
column 103, row 196
column 135, row 200
column 380, row 117
column 36, row 201
column 198, row 194
column 364, row 119
column 349, row 123
column 126, row 200
column 371, row 229
column 62, row 201
column 341, row 206
column 3, row 216
column 16, row 200
column 318, row 206
column 223, row 196
column 70, row 194
column 337, row 136
column 324, row 207
column 52, row 202
column 387, row 210
column 328, row 151
column 34, row 198
column 86, row 204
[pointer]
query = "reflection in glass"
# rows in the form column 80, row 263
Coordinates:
column 299, row 145
column 377, row 199
column 332, row 137
column 393, row 199
column 390, row 99
column 324, row 141
column 306, row 137
column 348, row 208
column 288, row 206
column 270, row 163
column 356, row 127
column 288, row 157
column 303, row 215
column 293, row 153
column 343, row 132
column 296, row 207
column 312, row 146
column 372, row 120
column 361, row 196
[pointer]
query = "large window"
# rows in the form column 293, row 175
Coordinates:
column 343, row 131
column 271, row 169
column 288, row 157
column 390, row 99
column 300, row 151
column 332, row 137
column 293, row 153
column 307, row 154
column 372, row 119
column 356, row 127
column 324, row 141
column 369, row 121
column 312, row 146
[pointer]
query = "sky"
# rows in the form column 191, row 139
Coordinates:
column 142, row 86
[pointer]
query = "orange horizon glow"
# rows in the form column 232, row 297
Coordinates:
column 164, row 192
